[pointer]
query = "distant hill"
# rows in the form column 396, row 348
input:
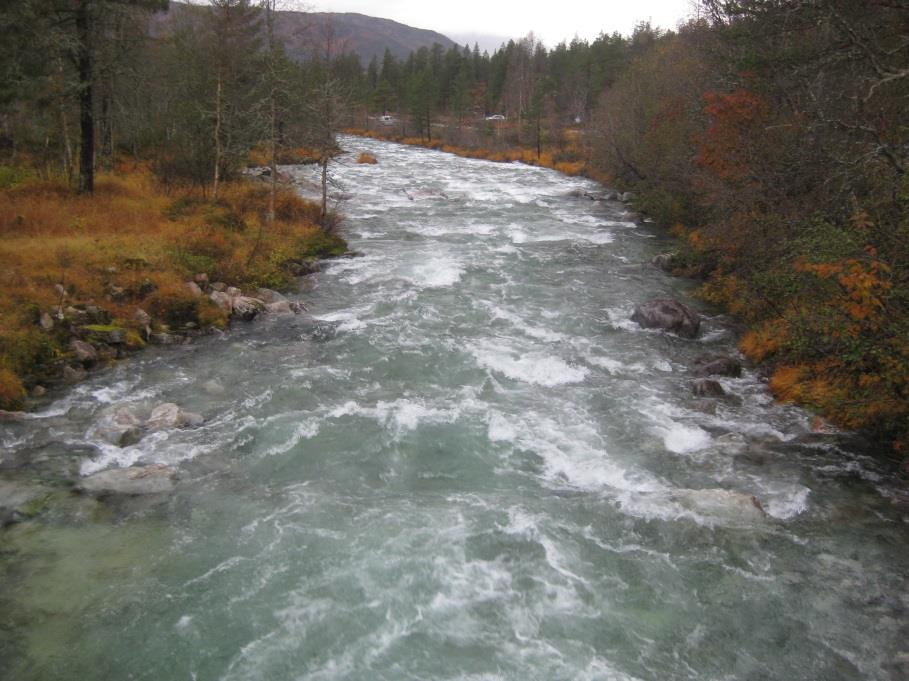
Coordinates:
column 358, row 33
column 302, row 32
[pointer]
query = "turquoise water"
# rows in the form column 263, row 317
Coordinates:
column 466, row 464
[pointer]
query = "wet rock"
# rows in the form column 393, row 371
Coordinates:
column 169, row 415
column 83, row 352
column 74, row 374
column 705, row 406
column 219, row 286
column 134, row 481
column 266, row 295
column 663, row 261
column 706, row 387
column 669, row 315
column 194, row 289
column 38, row 391
column 108, row 335
column 20, row 501
column 627, row 197
column 234, row 292
column 304, row 268
column 718, row 366
column 347, row 255
column 11, row 415
column 281, row 307
column 222, row 300
column 245, row 308
column 46, row 322
column 119, row 426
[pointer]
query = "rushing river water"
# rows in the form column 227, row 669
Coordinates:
column 466, row 464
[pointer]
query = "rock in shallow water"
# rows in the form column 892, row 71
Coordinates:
column 120, row 427
column 134, row 481
column 19, row 501
column 667, row 314
column 169, row 415
column 718, row 366
column 707, row 388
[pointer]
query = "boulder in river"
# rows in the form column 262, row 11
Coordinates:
column 245, row 308
column 667, row 314
column 222, row 300
column 169, row 415
column 706, row 387
column 718, row 366
column 663, row 261
column 133, row 481
column 119, row 427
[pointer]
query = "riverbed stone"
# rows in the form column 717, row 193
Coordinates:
column 718, row 366
column 74, row 374
column 267, row 296
column 706, row 387
column 663, row 261
column 194, row 289
column 46, row 322
column 119, row 426
column 245, row 308
column 222, row 300
column 83, row 352
column 721, row 503
column 166, row 416
column 19, row 501
column 668, row 314
column 133, row 481
column 214, row 387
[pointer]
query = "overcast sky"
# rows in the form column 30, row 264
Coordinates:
column 551, row 20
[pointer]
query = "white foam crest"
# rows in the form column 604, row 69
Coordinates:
column 499, row 429
column 537, row 368
column 437, row 273
column 536, row 332
column 303, row 431
column 708, row 507
column 402, row 415
column 678, row 438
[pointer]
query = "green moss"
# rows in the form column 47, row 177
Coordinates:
column 322, row 245
column 102, row 328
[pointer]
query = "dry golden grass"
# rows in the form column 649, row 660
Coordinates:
column 131, row 246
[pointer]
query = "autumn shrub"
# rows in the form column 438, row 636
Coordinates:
column 12, row 392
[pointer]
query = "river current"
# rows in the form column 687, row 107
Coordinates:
column 464, row 463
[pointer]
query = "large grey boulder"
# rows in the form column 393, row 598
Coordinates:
column 667, row 314
column 245, row 308
column 83, row 352
column 133, row 481
column 222, row 300
column 168, row 415
column 267, row 296
column 119, row 427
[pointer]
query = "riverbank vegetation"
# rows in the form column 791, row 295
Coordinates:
column 125, row 213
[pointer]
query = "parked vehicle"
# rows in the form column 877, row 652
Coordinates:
column 386, row 120
column 495, row 117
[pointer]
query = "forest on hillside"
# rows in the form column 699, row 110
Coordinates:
column 769, row 135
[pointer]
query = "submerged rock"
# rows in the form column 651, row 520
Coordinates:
column 134, row 481
column 214, row 387
column 20, row 501
column 706, row 387
column 720, row 503
column 667, row 314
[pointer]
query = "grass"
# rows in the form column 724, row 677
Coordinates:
column 132, row 246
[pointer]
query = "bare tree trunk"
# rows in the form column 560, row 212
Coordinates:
column 323, row 214
column 86, row 101
column 218, row 105
column 104, row 123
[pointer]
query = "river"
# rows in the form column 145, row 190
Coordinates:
column 467, row 463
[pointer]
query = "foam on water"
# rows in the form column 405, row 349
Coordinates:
column 535, row 367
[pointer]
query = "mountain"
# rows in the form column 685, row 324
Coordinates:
column 366, row 36
column 304, row 32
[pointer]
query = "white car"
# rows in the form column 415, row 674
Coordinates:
column 386, row 119
column 495, row 117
